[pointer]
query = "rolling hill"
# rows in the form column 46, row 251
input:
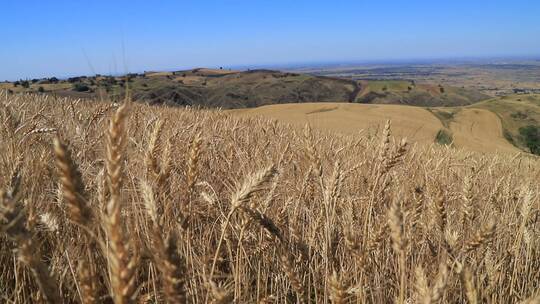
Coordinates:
column 242, row 89
column 488, row 126
column 248, row 89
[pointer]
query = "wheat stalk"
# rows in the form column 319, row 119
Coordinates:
column 296, row 283
column 395, row 222
column 166, row 252
column 12, row 223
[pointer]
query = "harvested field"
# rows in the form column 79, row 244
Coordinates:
column 480, row 130
column 472, row 129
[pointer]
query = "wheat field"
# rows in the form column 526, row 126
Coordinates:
column 127, row 203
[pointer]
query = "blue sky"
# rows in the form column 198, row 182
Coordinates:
column 65, row 38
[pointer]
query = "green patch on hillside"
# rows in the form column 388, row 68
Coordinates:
column 444, row 137
column 530, row 136
column 389, row 85
column 446, row 116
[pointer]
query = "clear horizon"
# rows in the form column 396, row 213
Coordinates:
column 64, row 38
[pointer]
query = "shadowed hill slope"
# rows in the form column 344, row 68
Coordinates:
column 410, row 93
column 247, row 89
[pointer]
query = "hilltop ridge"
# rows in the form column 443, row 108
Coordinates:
column 246, row 89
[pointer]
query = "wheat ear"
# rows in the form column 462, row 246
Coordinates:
column 467, row 282
column 72, row 185
column 482, row 237
column 150, row 159
column 251, row 185
column 122, row 267
column 220, row 295
column 422, row 287
column 192, row 165
column 441, row 281
column 338, row 292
